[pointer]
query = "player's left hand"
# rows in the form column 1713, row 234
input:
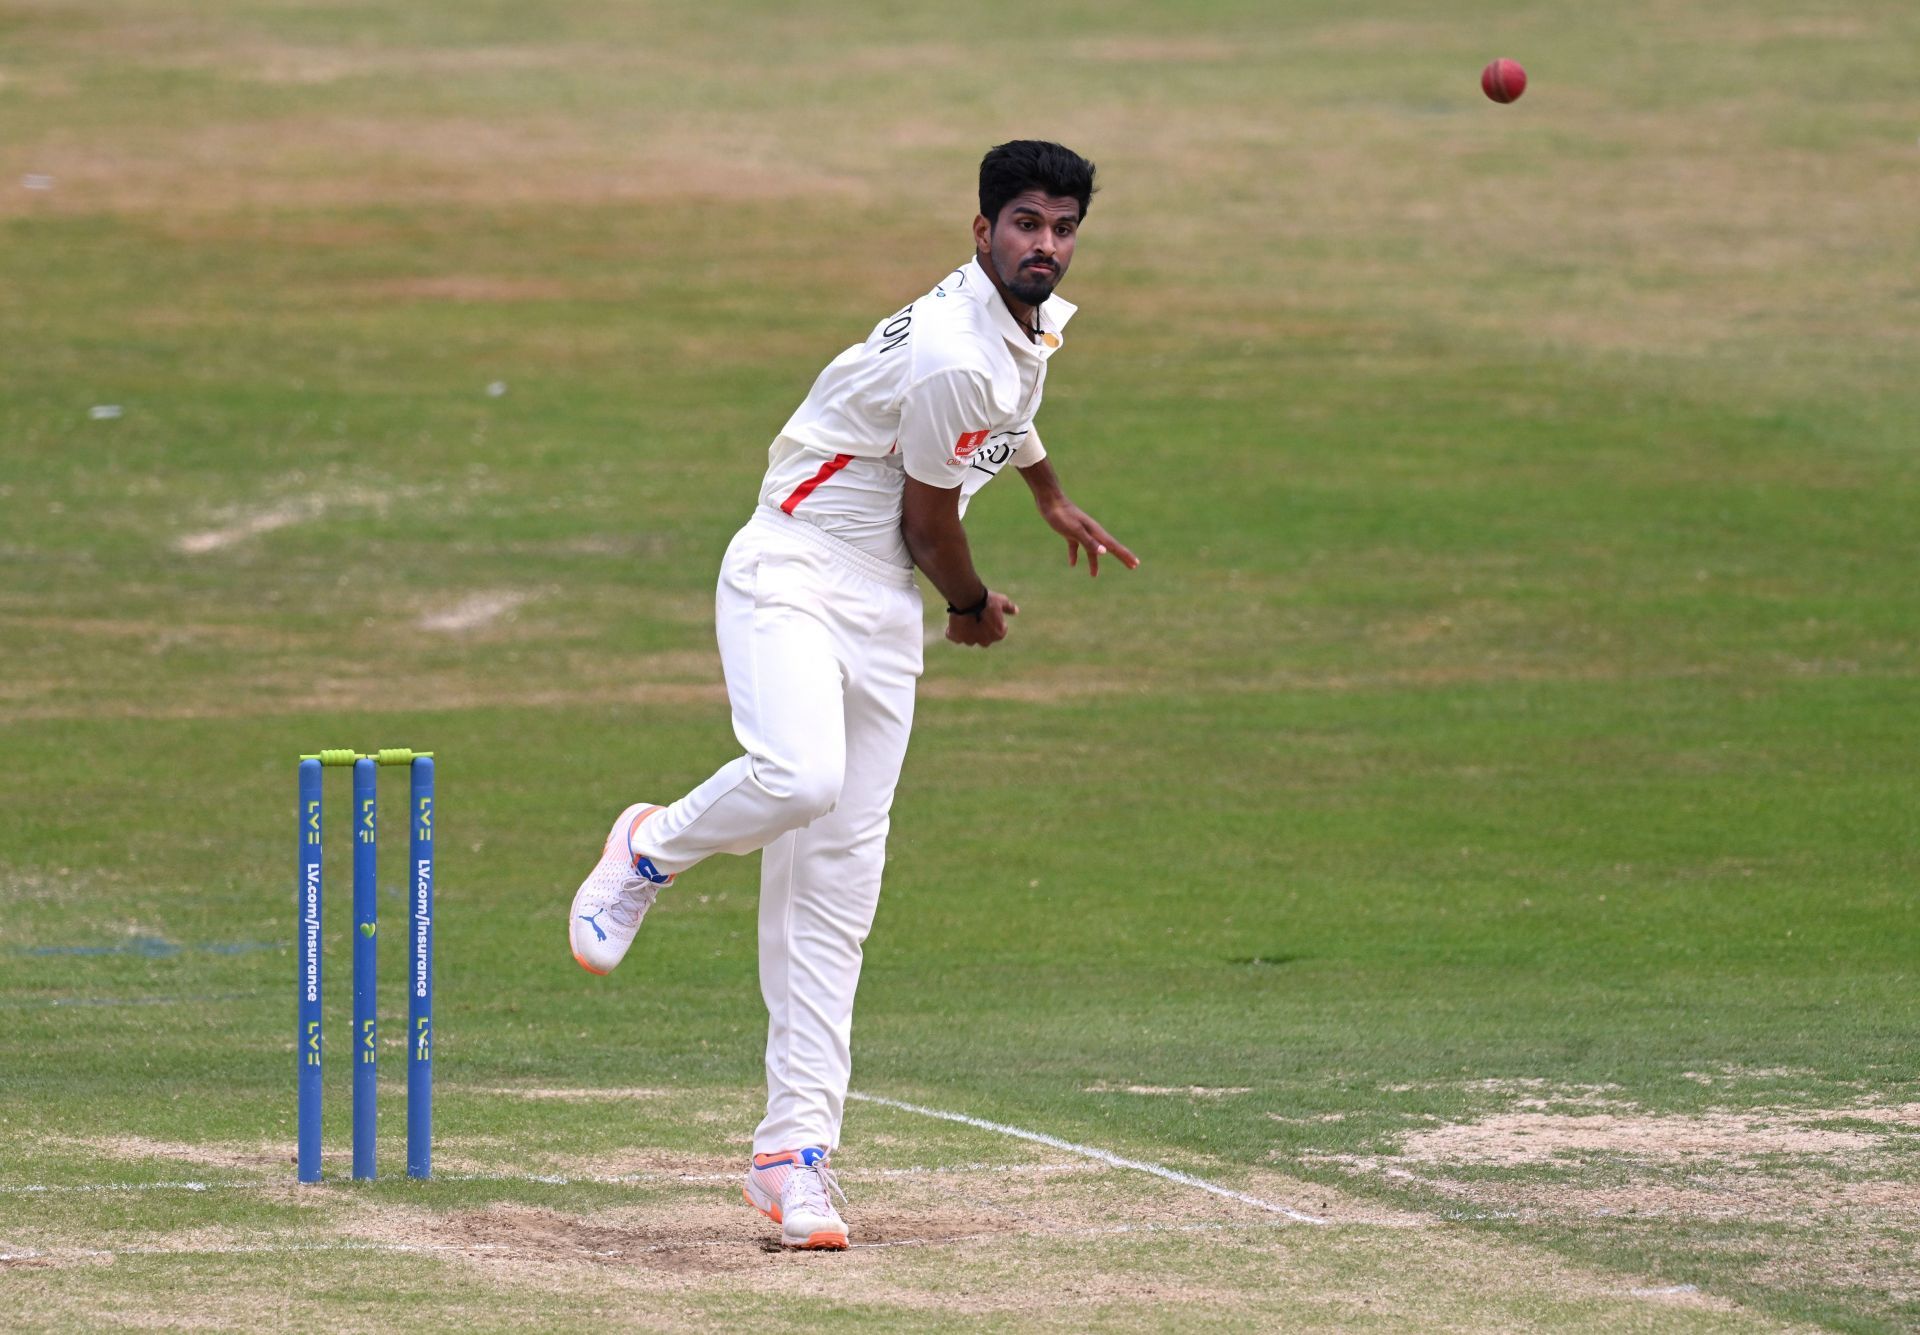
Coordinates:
column 1080, row 529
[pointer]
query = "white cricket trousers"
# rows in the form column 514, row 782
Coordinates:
column 821, row 643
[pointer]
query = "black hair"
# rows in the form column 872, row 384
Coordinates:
column 1032, row 164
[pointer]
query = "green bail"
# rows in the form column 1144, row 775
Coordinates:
column 400, row 755
column 335, row 756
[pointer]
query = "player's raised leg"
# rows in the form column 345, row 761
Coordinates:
column 784, row 684
column 785, row 675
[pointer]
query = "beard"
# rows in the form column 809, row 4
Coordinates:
column 1031, row 286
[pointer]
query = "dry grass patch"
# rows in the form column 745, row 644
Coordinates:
column 159, row 635
column 471, row 288
column 619, row 1094
column 368, row 162
column 1834, row 1185
column 1157, row 50
column 258, row 59
column 1035, row 685
column 347, row 691
column 276, row 1158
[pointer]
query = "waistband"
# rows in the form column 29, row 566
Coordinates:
column 766, row 518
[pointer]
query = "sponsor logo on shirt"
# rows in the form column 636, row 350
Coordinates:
column 989, row 458
column 964, row 447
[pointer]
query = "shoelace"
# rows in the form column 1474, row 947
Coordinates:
column 811, row 1185
column 636, row 897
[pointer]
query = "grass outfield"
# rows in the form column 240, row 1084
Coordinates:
column 1485, row 825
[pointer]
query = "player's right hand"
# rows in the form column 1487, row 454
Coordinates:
column 990, row 627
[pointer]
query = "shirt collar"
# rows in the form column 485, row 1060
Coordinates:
column 1051, row 315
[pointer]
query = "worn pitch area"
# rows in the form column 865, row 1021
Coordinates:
column 1019, row 1235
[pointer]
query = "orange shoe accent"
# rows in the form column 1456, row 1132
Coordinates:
column 633, row 825
column 826, row 1242
column 773, row 1214
column 597, row 973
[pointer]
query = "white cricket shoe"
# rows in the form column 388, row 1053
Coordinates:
column 616, row 895
column 790, row 1188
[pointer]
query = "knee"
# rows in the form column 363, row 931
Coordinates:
column 805, row 791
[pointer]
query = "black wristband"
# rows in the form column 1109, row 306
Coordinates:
column 977, row 611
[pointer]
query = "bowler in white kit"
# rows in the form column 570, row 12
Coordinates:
column 819, row 624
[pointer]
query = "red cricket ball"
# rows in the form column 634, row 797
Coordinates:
column 1503, row 80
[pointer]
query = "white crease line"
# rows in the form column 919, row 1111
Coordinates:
column 1114, row 1230
column 1092, row 1152
column 851, row 1175
column 589, row 1179
column 271, row 1248
column 542, row 1179
column 253, row 1249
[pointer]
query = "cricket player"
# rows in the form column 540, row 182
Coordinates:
column 819, row 623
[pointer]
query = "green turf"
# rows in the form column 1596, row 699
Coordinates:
column 1517, row 700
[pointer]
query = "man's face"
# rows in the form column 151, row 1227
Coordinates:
column 1030, row 244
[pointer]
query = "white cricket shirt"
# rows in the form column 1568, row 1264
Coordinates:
column 943, row 390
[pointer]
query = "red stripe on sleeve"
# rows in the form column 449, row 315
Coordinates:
column 805, row 489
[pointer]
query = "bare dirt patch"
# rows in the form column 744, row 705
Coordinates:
column 1191, row 1091
column 644, row 1162
column 1540, row 1137
column 696, row 1240
column 618, row 1094
column 698, row 1230
column 1063, row 1251
column 283, row 515
column 473, row 612
column 1832, row 1187
column 235, row 524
